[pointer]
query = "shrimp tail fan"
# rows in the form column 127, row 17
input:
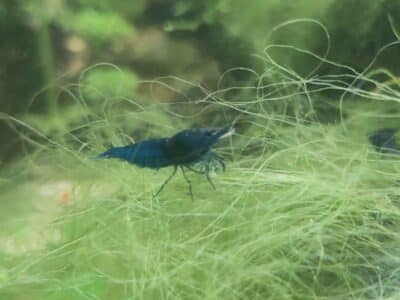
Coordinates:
column 122, row 153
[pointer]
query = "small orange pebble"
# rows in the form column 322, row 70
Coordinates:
column 65, row 197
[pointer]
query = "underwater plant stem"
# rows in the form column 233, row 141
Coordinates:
column 45, row 53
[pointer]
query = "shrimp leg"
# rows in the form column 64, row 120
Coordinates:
column 206, row 172
column 166, row 181
column 188, row 182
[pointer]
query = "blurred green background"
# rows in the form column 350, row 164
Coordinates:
column 306, row 209
column 47, row 45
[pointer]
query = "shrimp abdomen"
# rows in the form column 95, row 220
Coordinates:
column 149, row 154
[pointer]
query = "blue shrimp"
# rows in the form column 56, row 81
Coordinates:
column 185, row 150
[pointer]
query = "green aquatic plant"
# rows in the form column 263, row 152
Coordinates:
column 305, row 210
column 100, row 27
column 317, row 218
column 109, row 83
column 191, row 15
